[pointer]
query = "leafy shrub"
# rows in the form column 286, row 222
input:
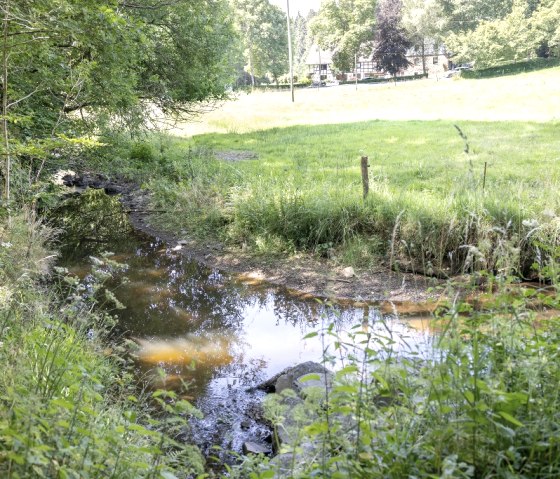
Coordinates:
column 70, row 406
column 143, row 152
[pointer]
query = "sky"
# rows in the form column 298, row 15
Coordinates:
column 302, row 5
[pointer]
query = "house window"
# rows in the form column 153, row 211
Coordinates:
column 435, row 60
column 324, row 66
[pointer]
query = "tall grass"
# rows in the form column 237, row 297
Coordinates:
column 483, row 401
column 429, row 210
column 69, row 404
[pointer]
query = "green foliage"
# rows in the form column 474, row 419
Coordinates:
column 263, row 33
column 302, row 43
column 507, row 39
column 482, row 402
column 142, row 151
column 70, row 407
column 346, row 28
column 546, row 25
column 391, row 39
column 74, row 68
column 515, row 31
column 464, row 15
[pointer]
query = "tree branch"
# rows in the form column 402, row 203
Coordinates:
column 156, row 6
column 22, row 99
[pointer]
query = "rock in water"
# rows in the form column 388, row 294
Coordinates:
column 250, row 447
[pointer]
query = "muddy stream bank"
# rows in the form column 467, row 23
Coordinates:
column 220, row 333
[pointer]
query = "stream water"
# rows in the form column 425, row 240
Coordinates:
column 215, row 332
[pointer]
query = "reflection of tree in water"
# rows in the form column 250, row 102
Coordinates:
column 170, row 297
column 187, row 298
column 90, row 223
column 310, row 313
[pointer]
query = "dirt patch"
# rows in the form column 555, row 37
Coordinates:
column 303, row 274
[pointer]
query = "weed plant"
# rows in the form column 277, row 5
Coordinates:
column 484, row 401
column 70, row 408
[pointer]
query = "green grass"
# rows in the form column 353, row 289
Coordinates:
column 512, row 68
column 531, row 96
column 426, row 210
column 429, row 208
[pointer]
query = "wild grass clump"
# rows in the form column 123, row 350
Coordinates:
column 430, row 208
column 70, row 407
column 482, row 401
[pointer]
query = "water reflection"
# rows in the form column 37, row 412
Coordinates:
column 217, row 333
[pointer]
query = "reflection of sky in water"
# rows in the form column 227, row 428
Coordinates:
column 182, row 313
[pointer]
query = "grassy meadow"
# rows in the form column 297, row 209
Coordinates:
column 279, row 178
column 529, row 96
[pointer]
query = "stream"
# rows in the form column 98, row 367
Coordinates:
column 214, row 332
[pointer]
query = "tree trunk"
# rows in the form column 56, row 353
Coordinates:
column 290, row 53
column 251, row 72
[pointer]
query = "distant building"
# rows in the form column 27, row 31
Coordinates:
column 320, row 65
column 435, row 57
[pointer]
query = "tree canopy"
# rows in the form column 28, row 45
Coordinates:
column 526, row 28
column 391, row 40
column 346, row 27
column 71, row 66
column 262, row 29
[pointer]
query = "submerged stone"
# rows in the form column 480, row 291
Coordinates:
column 250, row 447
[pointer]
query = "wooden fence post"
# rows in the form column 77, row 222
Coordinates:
column 365, row 176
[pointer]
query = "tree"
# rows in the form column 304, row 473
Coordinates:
column 466, row 15
column 347, row 28
column 545, row 24
column 262, row 28
column 70, row 67
column 423, row 21
column 303, row 41
column 391, row 41
column 506, row 39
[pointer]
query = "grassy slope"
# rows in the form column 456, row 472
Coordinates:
column 426, row 203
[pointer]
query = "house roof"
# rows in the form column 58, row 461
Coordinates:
column 430, row 48
column 315, row 52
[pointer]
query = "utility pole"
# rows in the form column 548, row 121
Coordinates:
column 290, row 55
column 319, row 48
column 356, row 70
